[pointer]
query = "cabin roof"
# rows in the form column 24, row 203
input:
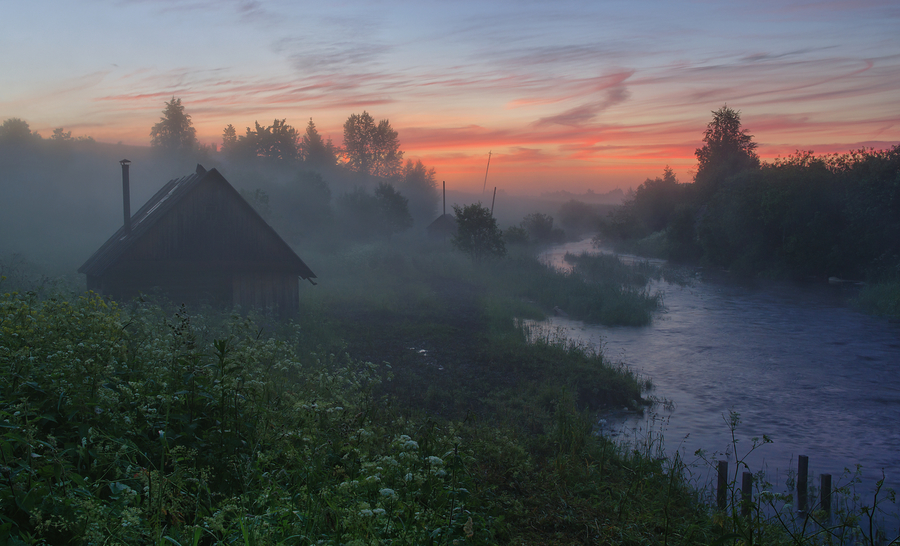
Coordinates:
column 158, row 206
column 445, row 223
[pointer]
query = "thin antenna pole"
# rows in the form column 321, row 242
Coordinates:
column 445, row 198
column 485, row 174
column 492, row 201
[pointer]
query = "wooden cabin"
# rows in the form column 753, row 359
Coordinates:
column 198, row 240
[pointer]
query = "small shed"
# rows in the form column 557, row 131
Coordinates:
column 444, row 227
column 198, row 240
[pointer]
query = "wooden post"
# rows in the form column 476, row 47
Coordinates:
column 802, row 474
column 825, row 491
column 746, row 493
column 722, row 490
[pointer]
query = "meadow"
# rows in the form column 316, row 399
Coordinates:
column 407, row 403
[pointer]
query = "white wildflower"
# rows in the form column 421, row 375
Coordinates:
column 388, row 492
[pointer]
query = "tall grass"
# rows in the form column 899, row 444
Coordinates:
column 881, row 298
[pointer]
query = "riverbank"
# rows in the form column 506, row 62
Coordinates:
column 416, row 413
column 405, row 405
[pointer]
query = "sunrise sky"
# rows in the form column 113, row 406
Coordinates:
column 566, row 95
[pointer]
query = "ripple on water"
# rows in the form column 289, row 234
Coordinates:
column 794, row 360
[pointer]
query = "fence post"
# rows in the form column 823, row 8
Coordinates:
column 722, row 491
column 746, row 493
column 825, row 491
column 802, row 473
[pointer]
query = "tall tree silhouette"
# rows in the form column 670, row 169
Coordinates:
column 727, row 150
column 316, row 151
column 174, row 132
column 370, row 148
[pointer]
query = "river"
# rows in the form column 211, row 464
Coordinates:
column 796, row 361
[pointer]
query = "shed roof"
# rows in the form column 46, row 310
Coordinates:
column 444, row 225
column 159, row 205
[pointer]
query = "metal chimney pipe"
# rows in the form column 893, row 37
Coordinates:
column 126, row 195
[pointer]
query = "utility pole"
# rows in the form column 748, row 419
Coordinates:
column 484, row 187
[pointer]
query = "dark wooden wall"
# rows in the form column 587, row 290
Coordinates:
column 209, row 248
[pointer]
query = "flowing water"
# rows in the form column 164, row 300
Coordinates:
column 796, row 361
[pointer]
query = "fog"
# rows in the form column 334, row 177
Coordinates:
column 62, row 200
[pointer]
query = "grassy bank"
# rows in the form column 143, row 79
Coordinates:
column 881, row 298
column 139, row 425
column 404, row 405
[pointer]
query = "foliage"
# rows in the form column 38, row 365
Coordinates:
column 598, row 289
column 578, row 218
column 515, row 235
column 276, row 142
column 648, row 209
column 136, row 428
column 419, row 185
column 370, row 148
column 135, row 425
column 316, row 152
column 174, row 132
column 761, row 515
column 802, row 216
column 393, row 208
column 379, row 215
column 229, row 141
column 727, row 150
column 310, row 203
column 540, row 228
column 17, row 131
column 60, row 135
column 881, row 298
column 477, row 233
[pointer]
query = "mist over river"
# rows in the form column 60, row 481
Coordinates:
column 796, row 361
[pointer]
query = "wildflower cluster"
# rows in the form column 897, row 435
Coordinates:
column 133, row 425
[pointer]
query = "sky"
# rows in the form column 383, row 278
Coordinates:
column 563, row 95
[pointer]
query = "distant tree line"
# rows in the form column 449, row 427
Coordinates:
column 380, row 194
column 804, row 215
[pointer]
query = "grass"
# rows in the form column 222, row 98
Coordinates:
column 881, row 299
column 408, row 403
column 144, row 426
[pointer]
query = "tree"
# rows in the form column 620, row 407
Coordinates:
column 61, row 135
column 278, row 142
column 372, row 149
column 229, row 140
column 15, row 130
column 393, row 209
column 727, row 151
column 477, row 232
column 174, row 132
column 316, row 151
column 366, row 215
column 540, row 228
column 309, row 200
column 578, row 217
column 420, row 187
